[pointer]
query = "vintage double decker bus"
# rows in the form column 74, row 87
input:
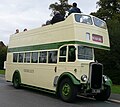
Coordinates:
column 60, row 58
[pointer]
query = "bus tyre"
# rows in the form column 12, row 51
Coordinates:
column 16, row 80
column 67, row 90
column 104, row 95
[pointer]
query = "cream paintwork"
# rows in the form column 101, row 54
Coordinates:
column 42, row 75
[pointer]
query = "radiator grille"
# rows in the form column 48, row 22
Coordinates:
column 96, row 75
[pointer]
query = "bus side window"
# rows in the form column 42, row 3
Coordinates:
column 15, row 57
column 34, row 57
column 43, row 57
column 20, row 59
column 62, row 57
column 52, row 57
column 71, row 54
column 27, row 57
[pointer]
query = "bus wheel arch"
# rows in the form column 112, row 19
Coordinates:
column 67, row 82
column 16, row 79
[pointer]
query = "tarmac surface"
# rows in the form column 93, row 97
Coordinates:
column 113, row 98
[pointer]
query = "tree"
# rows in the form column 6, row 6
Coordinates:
column 62, row 6
column 111, row 59
column 109, row 9
column 3, row 53
column 110, row 12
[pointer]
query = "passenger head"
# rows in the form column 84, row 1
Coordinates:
column 56, row 12
column 74, row 4
column 17, row 31
column 25, row 30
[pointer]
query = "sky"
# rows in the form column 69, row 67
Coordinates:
column 30, row 14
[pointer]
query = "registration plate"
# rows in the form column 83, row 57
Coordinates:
column 95, row 91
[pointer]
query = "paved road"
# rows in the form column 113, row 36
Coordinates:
column 115, row 97
column 10, row 97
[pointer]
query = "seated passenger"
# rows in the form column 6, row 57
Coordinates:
column 25, row 30
column 17, row 31
column 74, row 9
column 57, row 17
column 48, row 22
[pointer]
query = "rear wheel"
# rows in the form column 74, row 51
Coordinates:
column 16, row 80
column 67, row 90
column 104, row 95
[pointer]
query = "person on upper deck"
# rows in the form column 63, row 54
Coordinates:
column 17, row 31
column 57, row 17
column 74, row 9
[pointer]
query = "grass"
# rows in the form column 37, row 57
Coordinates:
column 116, row 89
column 2, row 72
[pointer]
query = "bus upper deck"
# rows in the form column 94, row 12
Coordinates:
column 75, row 29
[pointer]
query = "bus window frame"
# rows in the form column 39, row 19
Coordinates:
column 46, row 57
column 32, row 58
column 25, row 58
column 93, row 54
column 94, row 18
column 92, row 23
column 62, row 56
column 68, row 53
column 16, row 59
column 67, row 49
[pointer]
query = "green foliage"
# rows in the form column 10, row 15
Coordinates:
column 110, row 12
column 2, row 72
column 3, row 53
column 108, row 9
column 116, row 89
column 62, row 6
column 111, row 59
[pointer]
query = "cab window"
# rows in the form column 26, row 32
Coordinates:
column 62, row 57
column 71, row 54
column 85, row 53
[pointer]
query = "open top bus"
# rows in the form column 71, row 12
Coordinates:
column 60, row 58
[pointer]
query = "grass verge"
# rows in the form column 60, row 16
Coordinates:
column 116, row 89
column 2, row 72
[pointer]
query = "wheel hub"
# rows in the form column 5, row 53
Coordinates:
column 66, row 90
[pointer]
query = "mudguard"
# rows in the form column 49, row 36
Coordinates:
column 71, row 76
column 107, row 81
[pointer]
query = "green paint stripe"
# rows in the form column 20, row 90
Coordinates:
column 54, row 46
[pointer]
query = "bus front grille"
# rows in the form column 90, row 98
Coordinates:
column 96, row 75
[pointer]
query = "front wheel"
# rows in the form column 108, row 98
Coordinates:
column 16, row 80
column 67, row 90
column 104, row 95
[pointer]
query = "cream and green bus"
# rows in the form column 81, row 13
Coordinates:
column 59, row 58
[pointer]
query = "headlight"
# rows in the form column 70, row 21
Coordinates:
column 105, row 78
column 84, row 78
